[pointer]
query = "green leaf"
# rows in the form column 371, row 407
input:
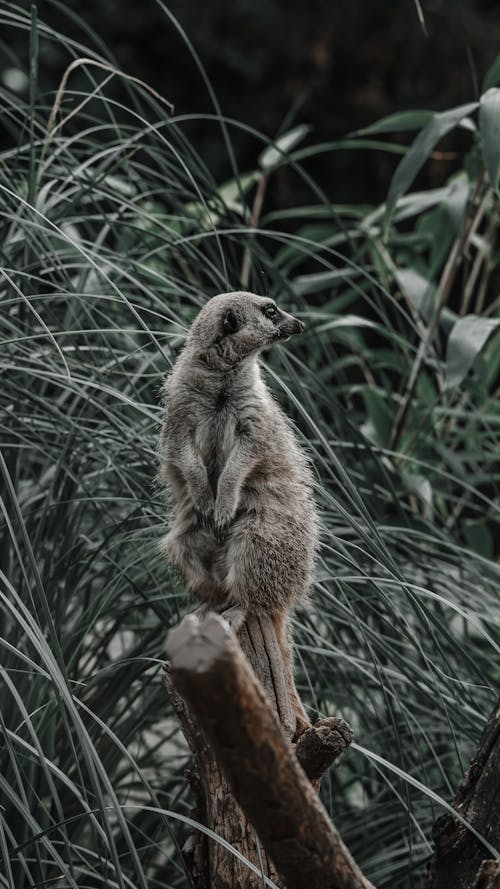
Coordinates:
column 231, row 190
column 378, row 424
column 489, row 123
column 304, row 284
column 437, row 127
column 419, row 291
column 468, row 337
column 399, row 122
column 346, row 321
column 492, row 77
column 420, row 486
column 455, row 204
column 479, row 537
column 275, row 155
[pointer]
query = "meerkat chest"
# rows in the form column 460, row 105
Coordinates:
column 221, row 424
column 215, row 436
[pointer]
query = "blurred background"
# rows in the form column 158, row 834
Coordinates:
column 335, row 66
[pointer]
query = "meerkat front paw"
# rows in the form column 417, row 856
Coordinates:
column 223, row 516
column 204, row 507
column 236, row 616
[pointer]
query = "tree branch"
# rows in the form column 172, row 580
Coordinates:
column 211, row 673
column 459, row 854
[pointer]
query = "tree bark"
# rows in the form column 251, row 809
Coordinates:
column 245, row 743
column 320, row 745
column 459, row 854
column 489, row 875
column 212, row 865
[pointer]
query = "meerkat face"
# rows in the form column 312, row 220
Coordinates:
column 234, row 326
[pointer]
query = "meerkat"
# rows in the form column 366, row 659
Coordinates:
column 245, row 525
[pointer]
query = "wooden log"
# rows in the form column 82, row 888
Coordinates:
column 245, row 743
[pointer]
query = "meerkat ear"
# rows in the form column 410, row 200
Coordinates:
column 230, row 323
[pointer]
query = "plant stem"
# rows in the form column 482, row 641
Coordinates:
column 447, row 278
column 32, row 174
column 33, row 96
column 254, row 221
column 482, row 252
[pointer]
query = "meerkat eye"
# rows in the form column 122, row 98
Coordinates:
column 230, row 323
column 270, row 311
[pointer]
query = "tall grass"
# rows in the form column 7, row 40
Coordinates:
column 113, row 233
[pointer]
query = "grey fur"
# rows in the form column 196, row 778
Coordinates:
column 245, row 527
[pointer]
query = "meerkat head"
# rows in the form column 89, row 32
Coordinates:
column 234, row 326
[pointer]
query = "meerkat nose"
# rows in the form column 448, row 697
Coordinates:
column 289, row 326
column 296, row 326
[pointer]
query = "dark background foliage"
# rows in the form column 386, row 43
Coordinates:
column 337, row 66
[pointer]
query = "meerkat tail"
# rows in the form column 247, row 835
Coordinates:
column 282, row 629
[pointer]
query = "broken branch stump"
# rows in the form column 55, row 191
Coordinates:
column 320, row 745
column 248, row 765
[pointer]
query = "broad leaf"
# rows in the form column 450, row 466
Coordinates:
column 347, row 321
column 304, row 284
column 396, row 123
column 455, row 203
column 378, row 424
column 421, row 486
column 492, row 77
column 489, row 122
column 419, row 291
column 480, row 538
column 468, row 337
column 231, row 190
column 274, row 155
column 417, row 154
